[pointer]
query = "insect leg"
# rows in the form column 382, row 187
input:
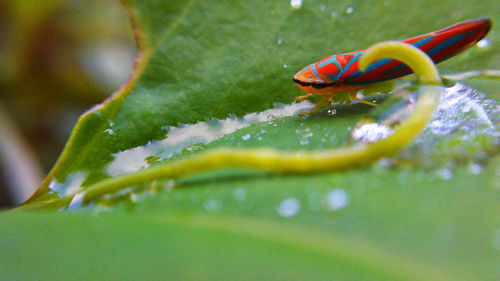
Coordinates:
column 303, row 97
column 354, row 97
column 318, row 105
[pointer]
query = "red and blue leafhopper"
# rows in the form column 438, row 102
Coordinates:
column 339, row 73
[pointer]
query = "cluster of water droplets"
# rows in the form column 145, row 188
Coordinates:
column 463, row 109
column 110, row 130
column 71, row 185
column 334, row 199
column 238, row 194
column 371, row 132
column 297, row 4
column 465, row 123
column 327, row 201
column 465, row 116
column 305, row 134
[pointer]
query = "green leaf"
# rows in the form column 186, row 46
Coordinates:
column 198, row 61
column 203, row 61
column 400, row 225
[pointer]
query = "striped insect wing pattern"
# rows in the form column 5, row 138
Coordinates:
column 333, row 67
column 439, row 45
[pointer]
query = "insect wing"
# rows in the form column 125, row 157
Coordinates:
column 439, row 45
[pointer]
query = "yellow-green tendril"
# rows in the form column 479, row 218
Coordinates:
column 272, row 160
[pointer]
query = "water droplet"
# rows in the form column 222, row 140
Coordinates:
column 445, row 174
column 211, row 205
column 296, row 4
column 285, row 65
column 288, row 207
column 168, row 186
column 239, row 194
column 385, row 162
column 349, row 10
column 322, row 7
column 76, row 201
column 134, row 197
column 331, row 111
column 483, row 43
column 109, row 131
column 337, row 199
column 246, row 137
column 304, row 141
column 279, row 41
column 333, row 14
column 475, row 168
column 71, row 186
column 259, row 138
column 371, row 132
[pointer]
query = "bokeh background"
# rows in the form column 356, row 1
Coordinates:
column 57, row 59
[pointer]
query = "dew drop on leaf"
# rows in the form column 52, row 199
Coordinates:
column 296, row 4
column 109, row 131
column 239, row 194
column 475, row 168
column 483, row 43
column 211, row 205
column 331, row 111
column 337, row 199
column 445, row 174
column 371, row 132
column 288, row 207
column 76, row 202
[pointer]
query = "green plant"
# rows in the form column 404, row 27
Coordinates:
column 416, row 219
